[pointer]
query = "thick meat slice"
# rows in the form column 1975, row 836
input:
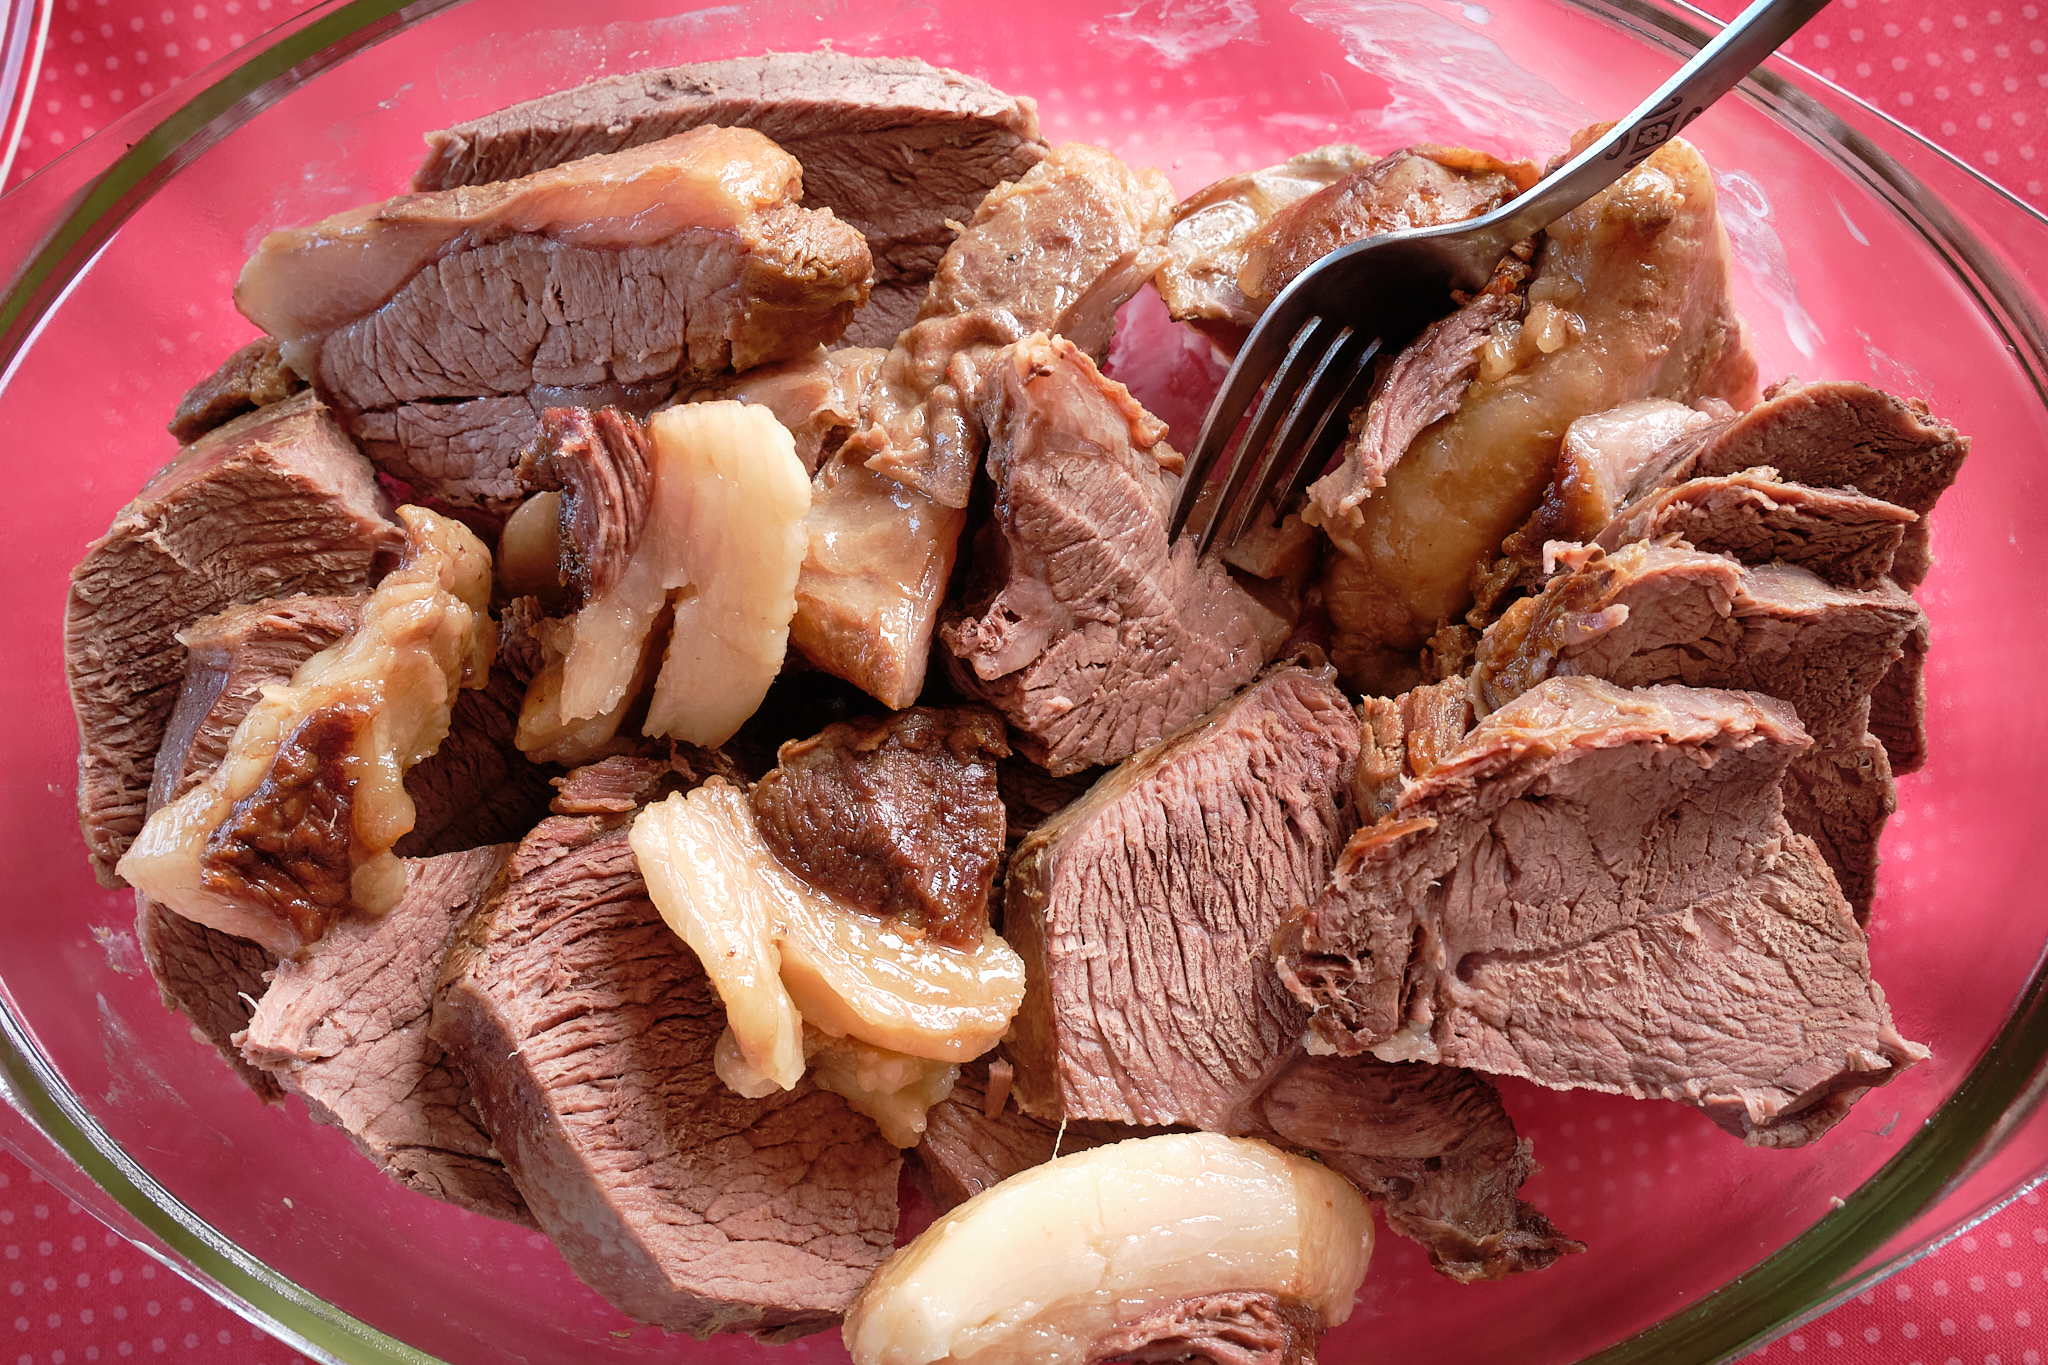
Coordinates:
column 1845, row 537
column 421, row 319
column 1142, row 912
column 900, row 817
column 1841, row 434
column 273, row 503
column 253, row 377
column 1059, row 250
column 209, row 976
column 1205, row 246
column 893, row 146
column 1098, row 637
column 816, row 396
column 1630, row 299
column 1658, row 614
column 586, row 1028
column 346, row 1030
column 1419, row 186
column 1598, row 890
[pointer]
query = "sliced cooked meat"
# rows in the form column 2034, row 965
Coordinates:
column 416, row 319
column 900, row 817
column 816, row 396
column 1754, row 516
column 346, row 1030
column 1222, row 1329
column 1898, row 705
column 1658, row 614
column 1598, row 890
column 1402, row 739
column 1205, row 245
column 1142, row 912
column 1059, row 251
column 1420, row 186
column 586, row 1028
column 1098, row 638
column 210, row 977
column 1630, row 299
column 253, row 377
column 600, row 463
column 893, row 146
column 273, row 503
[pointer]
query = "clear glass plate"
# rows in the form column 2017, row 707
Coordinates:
column 1866, row 254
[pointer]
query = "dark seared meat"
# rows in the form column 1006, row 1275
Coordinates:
column 1419, row 186
column 1753, row 516
column 600, row 462
column 1598, row 890
column 1659, row 614
column 253, row 377
column 900, row 817
column 893, row 146
column 273, row 503
column 418, row 319
column 1143, row 910
column 586, row 1028
column 1222, row 1329
column 346, row 1030
column 1092, row 635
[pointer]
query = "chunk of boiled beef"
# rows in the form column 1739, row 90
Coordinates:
column 601, row 463
column 586, row 1028
column 895, row 147
column 207, row 975
column 1090, row 632
column 1060, row 249
column 272, row 503
column 1755, row 517
column 900, row 817
column 1598, row 890
column 1660, row 614
column 1143, row 910
column 416, row 320
column 255, row 376
column 345, row 1029
column 1842, row 434
column 816, row 396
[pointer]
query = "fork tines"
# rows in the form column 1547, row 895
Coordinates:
column 1325, row 373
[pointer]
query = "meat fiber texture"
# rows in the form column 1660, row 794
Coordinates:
column 255, row 376
column 1100, row 637
column 439, row 326
column 1662, row 614
column 1433, row 1146
column 273, row 503
column 895, row 147
column 346, row 1030
column 1841, row 434
column 1598, row 890
column 586, row 1028
column 1142, row 912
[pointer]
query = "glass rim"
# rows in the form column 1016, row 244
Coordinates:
column 1994, row 1099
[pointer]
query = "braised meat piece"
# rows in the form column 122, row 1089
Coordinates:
column 346, row 1030
column 1598, row 890
column 586, row 1028
column 898, row 816
column 273, row 503
column 816, row 396
column 1092, row 635
column 253, row 377
column 416, row 321
column 600, row 463
column 893, row 146
column 1142, row 912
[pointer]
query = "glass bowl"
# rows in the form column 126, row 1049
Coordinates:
column 1864, row 254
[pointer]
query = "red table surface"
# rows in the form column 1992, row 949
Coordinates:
column 1972, row 75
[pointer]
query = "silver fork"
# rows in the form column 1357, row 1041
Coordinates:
column 1318, row 340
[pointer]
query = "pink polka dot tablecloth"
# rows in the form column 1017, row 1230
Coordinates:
column 1972, row 75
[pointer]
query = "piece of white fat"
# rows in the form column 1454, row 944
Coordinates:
column 295, row 827
column 782, row 952
column 896, row 1091
column 723, row 542
column 1038, row 1269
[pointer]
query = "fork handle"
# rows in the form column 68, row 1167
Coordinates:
column 1715, row 70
